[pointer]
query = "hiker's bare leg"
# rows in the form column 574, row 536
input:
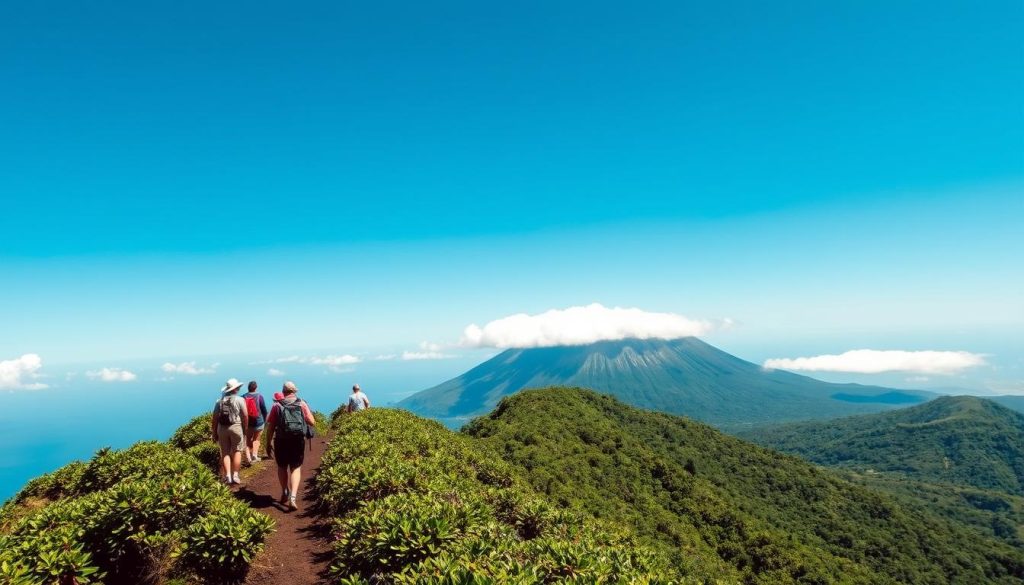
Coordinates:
column 254, row 443
column 225, row 465
column 296, row 477
column 282, row 477
column 236, row 461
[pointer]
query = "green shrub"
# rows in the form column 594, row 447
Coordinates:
column 135, row 515
column 193, row 433
column 223, row 541
column 323, row 424
column 413, row 502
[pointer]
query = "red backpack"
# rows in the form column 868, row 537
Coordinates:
column 251, row 408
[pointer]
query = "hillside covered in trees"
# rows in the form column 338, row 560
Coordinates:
column 720, row 506
column 960, row 440
column 961, row 457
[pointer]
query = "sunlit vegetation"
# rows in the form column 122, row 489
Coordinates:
column 413, row 502
column 722, row 506
column 138, row 515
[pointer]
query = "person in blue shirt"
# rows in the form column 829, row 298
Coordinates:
column 252, row 438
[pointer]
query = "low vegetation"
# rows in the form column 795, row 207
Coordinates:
column 137, row 515
column 413, row 502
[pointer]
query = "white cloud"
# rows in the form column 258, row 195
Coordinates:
column 583, row 325
column 385, row 357
column 19, row 373
column 873, row 361
column 428, row 351
column 112, row 375
column 188, row 368
column 334, row 363
column 275, row 372
column 425, row 355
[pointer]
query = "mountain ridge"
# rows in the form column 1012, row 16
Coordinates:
column 684, row 376
column 963, row 440
column 715, row 502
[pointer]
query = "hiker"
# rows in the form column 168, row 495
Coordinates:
column 256, row 409
column 287, row 429
column 229, row 424
column 357, row 400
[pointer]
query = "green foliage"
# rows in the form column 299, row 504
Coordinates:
column 193, row 433
column 222, row 541
column 724, row 508
column 415, row 503
column 131, row 516
column 991, row 513
column 323, row 424
column 954, row 439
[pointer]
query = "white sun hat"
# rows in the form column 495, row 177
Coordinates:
column 230, row 386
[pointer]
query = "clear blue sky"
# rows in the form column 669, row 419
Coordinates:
column 185, row 179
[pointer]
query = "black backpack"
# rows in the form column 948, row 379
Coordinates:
column 292, row 423
column 223, row 412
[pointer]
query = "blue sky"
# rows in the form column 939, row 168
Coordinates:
column 185, row 181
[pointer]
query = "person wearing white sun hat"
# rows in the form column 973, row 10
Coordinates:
column 229, row 424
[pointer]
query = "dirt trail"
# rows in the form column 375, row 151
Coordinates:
column 298, row 551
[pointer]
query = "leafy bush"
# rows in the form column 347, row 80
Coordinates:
column 222, row 541
column 193, row 433
column 132, row 516
column 413, row 502
column 323, row 424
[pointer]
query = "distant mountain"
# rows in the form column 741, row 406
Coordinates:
column 961, row 440
column 1011, row 402
column 723, row 509
column 683, row 376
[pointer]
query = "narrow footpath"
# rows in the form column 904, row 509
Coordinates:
column 298, row 552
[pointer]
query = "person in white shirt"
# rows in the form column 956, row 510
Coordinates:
column 357, row 401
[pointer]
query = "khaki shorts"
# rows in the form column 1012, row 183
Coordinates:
column 230, row 439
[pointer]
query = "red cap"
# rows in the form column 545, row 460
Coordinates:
column 278, row 396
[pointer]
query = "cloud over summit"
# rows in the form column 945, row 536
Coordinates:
column 873, row 361
column 580, row 326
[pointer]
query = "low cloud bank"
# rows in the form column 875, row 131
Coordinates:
column 583, row 325
column 335, row 363
column 112, row 375
column 873, row 361
column 188, row 368
column 20, row 373
column 427, row 351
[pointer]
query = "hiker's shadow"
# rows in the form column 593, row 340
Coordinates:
column 257, row 501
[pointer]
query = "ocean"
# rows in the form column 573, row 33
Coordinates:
column 42, row 430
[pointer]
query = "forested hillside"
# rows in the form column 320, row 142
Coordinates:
column 954, row 439
column 718, row 504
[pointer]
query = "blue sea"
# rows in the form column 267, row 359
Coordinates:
column 41, row 430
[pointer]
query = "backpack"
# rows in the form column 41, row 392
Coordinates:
column 224, row 412
column 291, row 421
column 251, row 408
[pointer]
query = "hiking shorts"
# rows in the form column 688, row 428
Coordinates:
column 289, row 451
column 230, row 439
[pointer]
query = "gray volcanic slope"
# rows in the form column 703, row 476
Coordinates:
column 684, row 376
